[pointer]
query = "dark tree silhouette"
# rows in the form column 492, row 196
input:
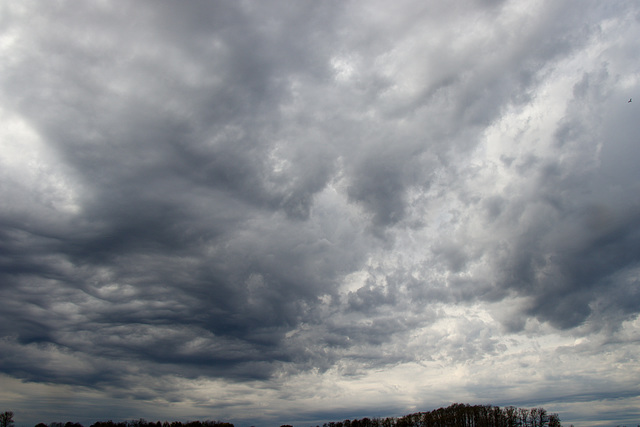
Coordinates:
column 455, row 415
column 463, row 415
column 6, row 419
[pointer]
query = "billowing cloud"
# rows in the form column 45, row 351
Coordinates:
column 301, row 212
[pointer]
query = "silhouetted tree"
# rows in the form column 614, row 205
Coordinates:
column 6, row 419
column 554, row 420
column 463, row 415
column 511, row 416
column 523, row 417
column 538, row 417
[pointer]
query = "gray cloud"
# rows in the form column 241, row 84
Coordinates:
column 254, row 195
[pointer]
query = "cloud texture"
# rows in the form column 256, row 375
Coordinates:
column 306, row 211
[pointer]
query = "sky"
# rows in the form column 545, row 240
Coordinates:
column 270, row 212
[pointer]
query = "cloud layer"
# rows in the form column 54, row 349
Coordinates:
column 310, row 211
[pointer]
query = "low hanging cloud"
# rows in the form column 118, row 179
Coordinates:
column 263, row 194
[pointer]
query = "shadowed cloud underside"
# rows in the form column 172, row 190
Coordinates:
column 278, row 212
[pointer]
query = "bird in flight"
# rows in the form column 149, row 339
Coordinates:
column 629, row 100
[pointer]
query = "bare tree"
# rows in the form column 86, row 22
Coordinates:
column 6, row 419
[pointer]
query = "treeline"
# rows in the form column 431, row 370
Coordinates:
column 462, row 415
column 456, row 415
column 142, row 423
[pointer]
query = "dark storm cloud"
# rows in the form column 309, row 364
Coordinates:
column 179, row 221
column 251, row 191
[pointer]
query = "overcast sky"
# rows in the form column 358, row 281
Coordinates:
column 271, row 212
